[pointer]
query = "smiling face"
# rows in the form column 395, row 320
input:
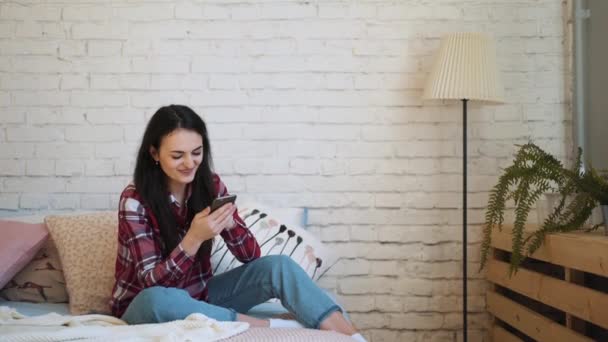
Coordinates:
column 180, row 154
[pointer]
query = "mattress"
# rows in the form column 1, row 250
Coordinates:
column 264, row 310
column 251, row 335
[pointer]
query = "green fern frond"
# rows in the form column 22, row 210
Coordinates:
column 533, row 173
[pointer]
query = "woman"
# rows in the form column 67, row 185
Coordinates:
column 166, row 229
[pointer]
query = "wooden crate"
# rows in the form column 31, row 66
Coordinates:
column 558, row 294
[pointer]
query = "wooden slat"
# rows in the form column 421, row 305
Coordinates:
column 501, row 335
column 582, row 251
column 577, row 300
column 529, row 322
column 573, row 322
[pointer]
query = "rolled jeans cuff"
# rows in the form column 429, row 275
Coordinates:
column 326, row 314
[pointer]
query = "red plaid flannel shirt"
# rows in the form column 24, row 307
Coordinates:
column 140, row 264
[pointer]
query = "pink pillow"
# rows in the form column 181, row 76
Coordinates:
column 18, row 246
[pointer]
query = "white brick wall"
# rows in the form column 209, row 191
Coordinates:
column 310, row 104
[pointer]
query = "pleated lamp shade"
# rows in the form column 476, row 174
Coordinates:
column 465, row 68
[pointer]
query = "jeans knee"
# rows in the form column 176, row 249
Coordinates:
column 153, row 298
column 278, row 262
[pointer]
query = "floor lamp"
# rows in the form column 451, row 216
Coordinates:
column 465, row 69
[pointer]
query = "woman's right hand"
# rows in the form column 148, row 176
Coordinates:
column 206, row 225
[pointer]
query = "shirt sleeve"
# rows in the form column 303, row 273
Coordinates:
column 137, row 239
column 239, row 239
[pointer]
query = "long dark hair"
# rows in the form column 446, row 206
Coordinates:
column 151, row 181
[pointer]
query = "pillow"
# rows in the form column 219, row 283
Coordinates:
column 87, row 248
column 40, row 281
column 19, row 244
column 276, row 237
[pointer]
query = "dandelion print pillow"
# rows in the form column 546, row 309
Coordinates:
column 276, row 238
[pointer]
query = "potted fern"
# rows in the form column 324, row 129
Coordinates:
column 533, row 173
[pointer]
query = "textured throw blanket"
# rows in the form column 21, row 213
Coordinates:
column 15, row 327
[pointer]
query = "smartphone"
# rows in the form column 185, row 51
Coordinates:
column 220, row 201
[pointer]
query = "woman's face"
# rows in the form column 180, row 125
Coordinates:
column 180, row 154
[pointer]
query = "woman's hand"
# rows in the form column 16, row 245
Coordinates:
column 206, row 225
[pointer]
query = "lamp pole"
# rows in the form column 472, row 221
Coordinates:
column 464, row 220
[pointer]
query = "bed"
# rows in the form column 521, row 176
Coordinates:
column 97, row 224
column 251, row 334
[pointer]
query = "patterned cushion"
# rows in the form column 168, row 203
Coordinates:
column 40, row 281
column 275, row 237
column 87, row 248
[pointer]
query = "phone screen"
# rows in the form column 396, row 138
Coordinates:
column 220, row 201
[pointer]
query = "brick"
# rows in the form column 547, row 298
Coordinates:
column 285, row 114
column 287, row 11
column 40, row 167
column 370, row 320
column 63, row 201
column 28, row 47
column 61, row 150
column 44, row 115
column 386, row 336
column 101, row 64
column 279, row 184
column 99, row 99
column 95, row 201
column 34, row 185
column 33, row 134
column 86, row 13
column 126, row 167
column 10, row 167
column 40, row 98
column 5, row 98
column 107, row 30
column 226, row 132
column 357, row 303
column 105, row 117
column 173, row 82
column 363, row 233
column 9, row 201
column 169, row 30
column 419, row 320
column 388, row 201
column 34, row 201
column 92, row 185
column 16, row 150
column 335, row 233
column 219, row 64
column 40, row 64
column 13, row 11
column 7, row 29
column 67, row 167
column 30, row 82
column 72, row 48
column 144, row 12
column 119, row 82
column 161, row 65
column 69, row 82
column 248, row 166
column 36, row 29
column 188, row 11
column 104, row 48
column 388, row 303
column 99, row 133
column 384, row 267
column 99, row 168
column 115, row 150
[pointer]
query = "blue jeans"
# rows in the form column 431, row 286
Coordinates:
column 238, row 290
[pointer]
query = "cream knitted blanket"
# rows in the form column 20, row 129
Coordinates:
column 15, row 327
